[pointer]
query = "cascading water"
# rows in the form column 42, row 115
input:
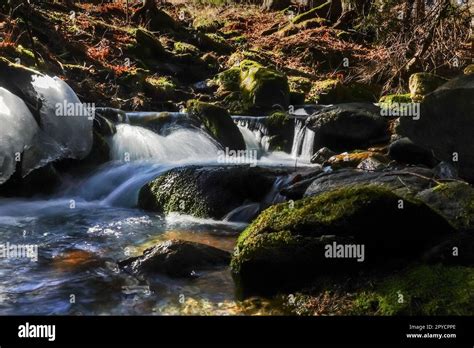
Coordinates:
column 254, row 131
column 303, row 141
column 137, row 143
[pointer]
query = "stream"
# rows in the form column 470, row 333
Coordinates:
column 92, row 222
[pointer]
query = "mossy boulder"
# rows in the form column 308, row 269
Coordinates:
column 252, row 87
column 217, row 121
column 286, row 245
column 281, row 130
column 454, row 200
column 406, row 182
column 206, row 191
column 161, row 21
column 160, row 88
column 421, row 84
column 333, row 91
column 262, row 87
column 212, row 42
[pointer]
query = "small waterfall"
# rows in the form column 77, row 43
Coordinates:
column 308, row 144
column 137, row 143
column 244, row 213
column 254, row 131
column 303, row 141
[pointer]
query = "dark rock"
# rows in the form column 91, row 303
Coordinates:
column 348, row 126
column 445, row 120
column 405, row 181
column 457, row 250
column 405, row 151
column 176, row 258
column 322, row 155
column 103, row 126
column 206, row 191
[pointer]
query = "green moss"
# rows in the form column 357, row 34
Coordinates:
column 300, row 85
column 206, row 25
column 320, row 211
column 183, row 47
column 396, row 98
column 332, row 91
column 229, row 79
column 420, row 290
column 250, row 87
column 278, row 120
column 239, row 40
column 160, row 87
column 423, row 83
column 218, row 123
column 263, row 87
column 315, row 12
column 294, row 28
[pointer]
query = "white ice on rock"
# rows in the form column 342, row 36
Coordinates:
column 72, row 132
column 18, row 128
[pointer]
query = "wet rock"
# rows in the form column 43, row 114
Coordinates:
column 206, row 191
column 371, row 164
column 405, row 181
column 444, row 123
column 103, row 126
column 218, row 123
column 348, row 126
column 405, row 151
column 287, row 244
column 44, row 180
column 280, row 130
column 322, row 155
column 352, row 160
column 176, row 258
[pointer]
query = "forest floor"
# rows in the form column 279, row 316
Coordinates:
column 90, row 47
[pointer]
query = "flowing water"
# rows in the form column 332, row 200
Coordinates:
column 92, row 222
